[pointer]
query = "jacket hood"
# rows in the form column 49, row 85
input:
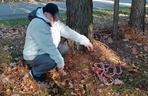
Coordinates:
column 41, row 15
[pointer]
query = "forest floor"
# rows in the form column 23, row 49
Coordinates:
column 131, row 51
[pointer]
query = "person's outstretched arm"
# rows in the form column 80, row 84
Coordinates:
column 68, row 33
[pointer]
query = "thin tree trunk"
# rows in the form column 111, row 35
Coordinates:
column 115, row 18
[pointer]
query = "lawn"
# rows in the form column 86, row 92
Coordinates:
column 14, row 22
column 25, row 21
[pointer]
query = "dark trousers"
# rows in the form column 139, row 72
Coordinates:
column 43, row 63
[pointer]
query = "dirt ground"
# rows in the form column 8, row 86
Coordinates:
column 131, row 51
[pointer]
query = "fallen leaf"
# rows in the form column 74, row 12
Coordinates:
column 118, row 82
column 15, row 95
column 128, row 35
column 125, row 40
column 73, row 94
column 110, row 40
column 139, row 44
column 70, row 85
column 134, row 51
column 146, row 48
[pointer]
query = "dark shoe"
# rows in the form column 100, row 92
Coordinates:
column 29, row 66
column 42, row 78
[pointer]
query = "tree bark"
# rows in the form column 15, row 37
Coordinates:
column 137, row 16
column 115, row 20
column 79, row 16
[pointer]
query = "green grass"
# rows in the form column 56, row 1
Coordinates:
column 135, row 83
column 124, row 10
column 109, row 11
column 62, row 17
column 23, row 21
column 102, row 12
column 14, row 22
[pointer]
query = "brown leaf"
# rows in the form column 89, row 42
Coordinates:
column 146, row 48
column 15, row 95
column 110, row 40
column 73, row 94
column 118, row 82
column 125, row 40
column 70, row 85
column 134, row 51
column 128, row 35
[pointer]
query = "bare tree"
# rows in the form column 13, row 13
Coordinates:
column 79, row 15
column 137, row 16
column 115, row 19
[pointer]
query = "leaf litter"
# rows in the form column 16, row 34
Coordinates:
column 80, row 79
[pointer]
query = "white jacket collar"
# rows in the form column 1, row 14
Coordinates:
column 41, row 14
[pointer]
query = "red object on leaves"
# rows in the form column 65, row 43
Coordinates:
column 98, row 70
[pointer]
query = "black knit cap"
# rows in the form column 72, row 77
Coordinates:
column 51, row 8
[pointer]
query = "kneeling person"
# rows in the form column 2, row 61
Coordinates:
column 42, row 49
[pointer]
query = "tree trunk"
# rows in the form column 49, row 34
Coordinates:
column 116, row 18
column 137, row 16
column 79, row 16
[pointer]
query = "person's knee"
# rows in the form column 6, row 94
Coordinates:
column 51, row 66
column 44, row 68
